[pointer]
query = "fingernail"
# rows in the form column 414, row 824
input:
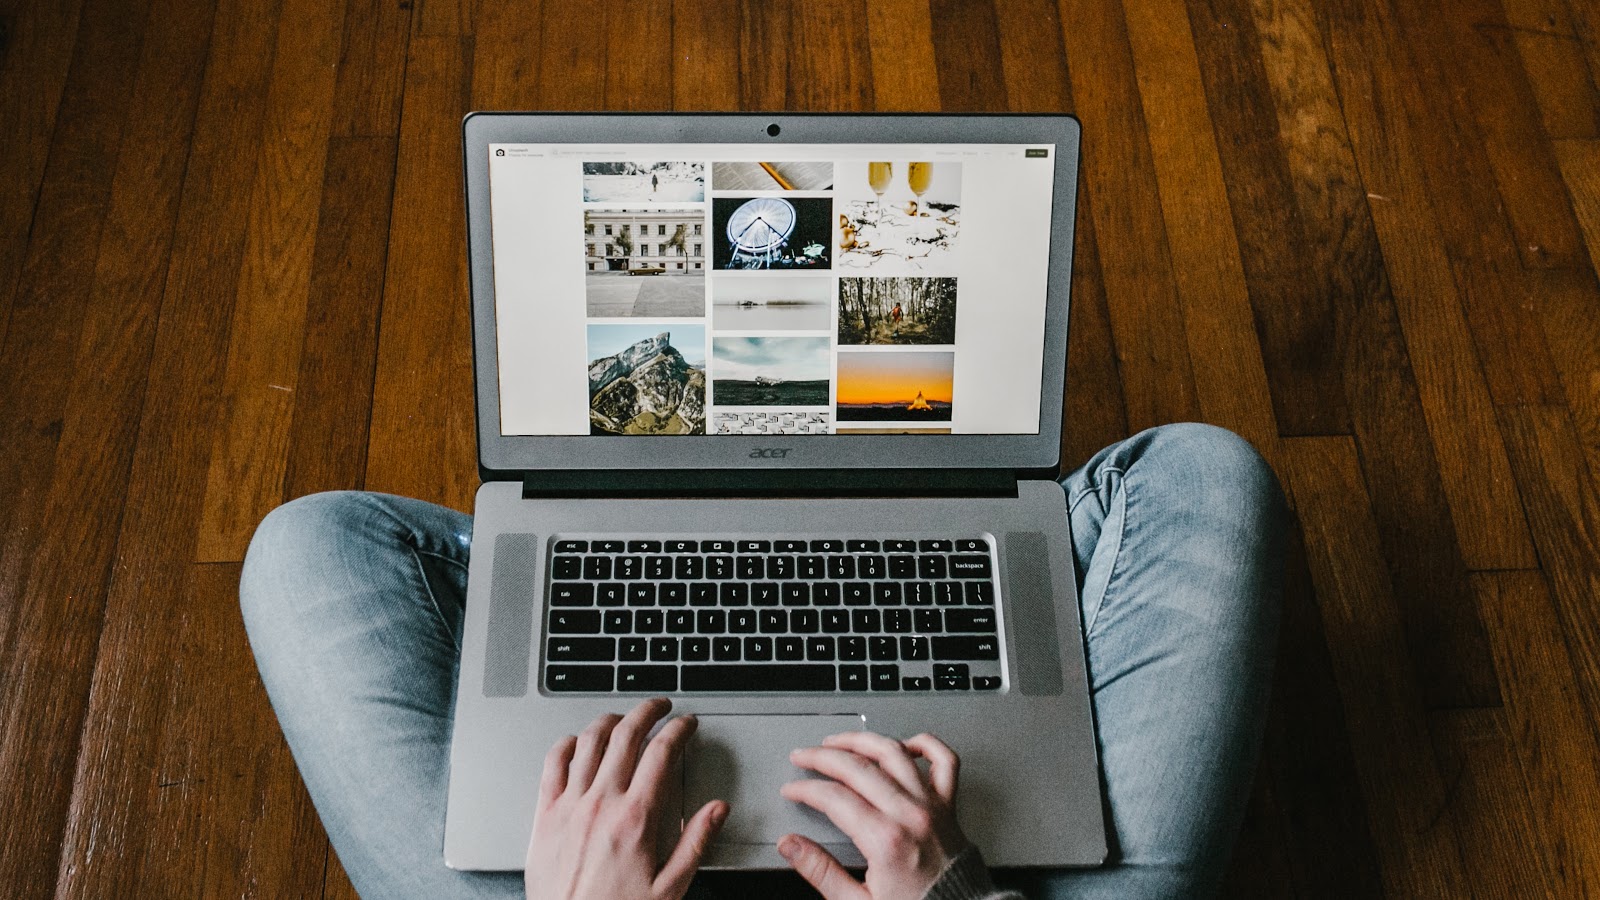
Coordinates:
column 788, row 847
column 719, row 814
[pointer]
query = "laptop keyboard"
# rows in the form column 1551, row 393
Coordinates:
column 777, row 615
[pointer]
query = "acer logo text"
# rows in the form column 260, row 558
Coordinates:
column 770, row 452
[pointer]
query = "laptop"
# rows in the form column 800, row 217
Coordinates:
column 768, row 416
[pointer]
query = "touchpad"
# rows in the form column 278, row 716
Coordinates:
column 745, row 760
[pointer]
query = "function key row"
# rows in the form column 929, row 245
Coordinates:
column 826, row 545
column 810, row 567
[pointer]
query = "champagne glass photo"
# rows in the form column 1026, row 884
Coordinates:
column 918, row 176
column 879, row 174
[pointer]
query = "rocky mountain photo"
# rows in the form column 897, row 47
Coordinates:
column 647, row 388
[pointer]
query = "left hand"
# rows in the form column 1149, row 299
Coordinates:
column 600, row 799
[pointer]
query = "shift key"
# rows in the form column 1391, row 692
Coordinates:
column 975, row 647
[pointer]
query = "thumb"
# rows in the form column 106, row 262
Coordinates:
column 819, row 868
column 692, row 845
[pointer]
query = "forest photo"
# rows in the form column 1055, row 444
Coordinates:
column 897, row 311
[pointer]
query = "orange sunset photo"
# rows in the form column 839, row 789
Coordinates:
column 881, row 386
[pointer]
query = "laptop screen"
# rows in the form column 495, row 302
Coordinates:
column 796, row 289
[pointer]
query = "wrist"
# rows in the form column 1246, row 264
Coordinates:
column 965, row 878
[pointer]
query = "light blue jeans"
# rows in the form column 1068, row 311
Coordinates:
column 353, row 603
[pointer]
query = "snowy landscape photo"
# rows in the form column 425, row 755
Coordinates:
column 780, row 302
column 644, row 182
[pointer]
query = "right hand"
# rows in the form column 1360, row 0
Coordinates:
column 901, row 819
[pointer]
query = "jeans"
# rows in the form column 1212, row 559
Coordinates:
column 353, row 605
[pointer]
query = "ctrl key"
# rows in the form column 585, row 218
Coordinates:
column 567, row 679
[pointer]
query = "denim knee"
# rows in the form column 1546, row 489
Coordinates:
column 302, row 536
column 1213, row 484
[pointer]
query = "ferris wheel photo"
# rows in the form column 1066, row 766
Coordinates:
column 771, row 232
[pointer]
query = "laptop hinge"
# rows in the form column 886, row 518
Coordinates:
column 690, row 483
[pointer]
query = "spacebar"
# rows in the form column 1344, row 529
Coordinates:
column 758, row 678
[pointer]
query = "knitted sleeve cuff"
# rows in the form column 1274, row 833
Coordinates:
column 967, row 878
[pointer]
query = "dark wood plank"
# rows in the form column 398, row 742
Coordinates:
column 1308, row 769
column 1564, row 513
column 113, row 676
column 1033, row 59
column 1291, row 277
column 455, row 18
column 1260, row 866
column 1548, row 731
column 1552, row 56
column 505, row 61
column 1503, row 842
column 1586, row 24
column 50, row 644
column 251, row 439
column 572, row 64
column 762, row 81
column 1377, row 155
column 709, row 56
column 1446, row 640
column 372, row 65
column 1230, row 380
column 1141, row 295
column 1482, row 63
column 900, row 39
column 227, row 814
column 327, row 439
column 966, row 43
column 1580, row 167
column 35, row 55
column 1409, row 54
column 422, row 442
column 1366, row 642
column 57, row 276
column 638, row 56
column 1569, row 303
column 830, row 66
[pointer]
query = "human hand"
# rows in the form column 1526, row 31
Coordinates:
column 902, row 820
column 600, row 799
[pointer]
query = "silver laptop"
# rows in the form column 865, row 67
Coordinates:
column 768, row 416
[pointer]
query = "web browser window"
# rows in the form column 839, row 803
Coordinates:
column 803, row 289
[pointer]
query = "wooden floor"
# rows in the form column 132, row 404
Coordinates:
column 1362, row 234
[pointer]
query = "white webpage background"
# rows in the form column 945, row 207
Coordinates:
column 536, row 221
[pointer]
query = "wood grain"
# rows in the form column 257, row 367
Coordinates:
column 1547, row 729
column 1552, row 58
column 1230, row 381
column 966, row 39
column 34, row 61
column 422, row 442
column 900, row 41
column 1403, row 789
column 1141, row 294
column 119, row 694
column 1376, row 152
column 1564, row 513
column 250, row 445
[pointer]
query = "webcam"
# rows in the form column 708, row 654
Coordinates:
column 773, row 129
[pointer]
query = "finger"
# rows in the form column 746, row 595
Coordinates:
column 627, row 740
column 673, row 881
column 844, row 808
column 660, row 758
column 586, row 756
column 554, row 780
column 944, row 766
column 888, row 753
column 857, row 772
column 820, row 870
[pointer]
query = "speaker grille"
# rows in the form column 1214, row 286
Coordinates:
column 1031, row 613
column 511, row 594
